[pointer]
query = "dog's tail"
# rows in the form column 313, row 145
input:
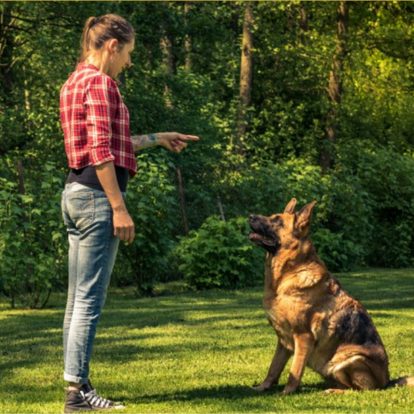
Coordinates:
column 401, row 382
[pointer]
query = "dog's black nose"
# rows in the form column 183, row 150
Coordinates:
column 252, row 217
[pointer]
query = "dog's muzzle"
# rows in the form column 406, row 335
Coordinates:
column 262, row 234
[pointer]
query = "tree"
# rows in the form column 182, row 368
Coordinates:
column 246, row 75
column 335, row 86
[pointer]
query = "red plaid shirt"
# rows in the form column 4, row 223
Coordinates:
column 95, row 121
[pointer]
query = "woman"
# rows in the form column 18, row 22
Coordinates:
column 101, row 156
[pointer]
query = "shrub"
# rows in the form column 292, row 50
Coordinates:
column 389, row 179
column 265, row 189
column 337, row 251
column 152, row 202
column 32, row 244
column 386, row 180
column 219, row 254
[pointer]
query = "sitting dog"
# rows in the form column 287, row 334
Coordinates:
column 315, row 320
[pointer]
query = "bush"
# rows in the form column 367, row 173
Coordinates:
column 152, row 202
column 387, row 178
column 219, row 254
column 32, row 244
column 265, row 189
column 336, row 250
column 365, row 204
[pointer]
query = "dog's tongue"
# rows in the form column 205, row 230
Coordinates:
column 254, row 236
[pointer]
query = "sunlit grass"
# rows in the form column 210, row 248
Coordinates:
column 197, row 352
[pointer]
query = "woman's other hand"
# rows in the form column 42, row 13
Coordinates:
column 124, row 227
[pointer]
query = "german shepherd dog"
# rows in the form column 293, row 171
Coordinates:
column 316, row 321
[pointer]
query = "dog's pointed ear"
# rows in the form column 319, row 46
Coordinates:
column 290, row 207
column 304, row 215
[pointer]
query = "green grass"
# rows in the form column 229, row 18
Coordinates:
column 197, row 352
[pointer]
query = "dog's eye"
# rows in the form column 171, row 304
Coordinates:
column 277, row 221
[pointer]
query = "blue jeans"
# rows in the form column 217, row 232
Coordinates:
column 92, row 252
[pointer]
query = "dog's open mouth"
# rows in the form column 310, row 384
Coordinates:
column 262, row 235
column 255, row 236
column 259, row 238
column 262, row 240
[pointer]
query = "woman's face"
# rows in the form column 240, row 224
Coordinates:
column 121, row 59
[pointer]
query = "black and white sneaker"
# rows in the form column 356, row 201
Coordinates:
column 87, row 399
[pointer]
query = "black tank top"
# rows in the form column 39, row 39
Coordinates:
column 87, row 176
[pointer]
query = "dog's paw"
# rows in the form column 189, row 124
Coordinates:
column 334, row 391
column 263, row 387
column 289, row 390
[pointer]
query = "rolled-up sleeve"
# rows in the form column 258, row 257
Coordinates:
column 100, row 104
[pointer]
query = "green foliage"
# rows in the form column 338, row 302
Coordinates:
column 152, row 202
column 364, row 210
column 336, row 250
column 365, row 203
column 219, row 254
column 32, row 242
column 386, row 180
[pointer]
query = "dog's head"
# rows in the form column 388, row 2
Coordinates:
column 283, row 229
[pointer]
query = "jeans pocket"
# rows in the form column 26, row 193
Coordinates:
column 81, row 208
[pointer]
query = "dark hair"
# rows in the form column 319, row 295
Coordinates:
column 98, row 30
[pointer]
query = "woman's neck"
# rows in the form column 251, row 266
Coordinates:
column 101, row 61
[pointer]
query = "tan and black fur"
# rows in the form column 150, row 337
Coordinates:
column 316, row 321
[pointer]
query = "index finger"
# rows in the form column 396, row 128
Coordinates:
column 189, row 137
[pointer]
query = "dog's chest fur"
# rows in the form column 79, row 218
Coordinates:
column 301, row 302
column 287, row 314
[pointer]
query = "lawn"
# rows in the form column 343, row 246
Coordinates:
column 197, row 352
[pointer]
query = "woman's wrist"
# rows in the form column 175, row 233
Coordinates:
column 145, row 141
column 107, row 178
column 154, row 139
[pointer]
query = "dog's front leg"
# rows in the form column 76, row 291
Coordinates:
column 279, row 361
column 303, row 347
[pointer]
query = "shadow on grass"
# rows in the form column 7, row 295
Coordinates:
column 227, row 392
column 28, row 337
column 27, row 341
column 242, row 398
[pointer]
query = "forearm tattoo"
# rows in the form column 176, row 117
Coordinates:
column 144, row 141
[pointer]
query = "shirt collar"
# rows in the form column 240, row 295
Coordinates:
column 82, row 65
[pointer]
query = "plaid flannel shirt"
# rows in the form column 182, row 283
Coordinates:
column 95, row 121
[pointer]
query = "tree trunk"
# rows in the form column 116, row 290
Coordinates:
column 335, row 87
column 303, row 18
column 187, row 39
column 303, row 26
column 6, row 49
column 221, row 209
column 246, row 73
column 182, row 200
column 167, row 47
column 20, row 176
